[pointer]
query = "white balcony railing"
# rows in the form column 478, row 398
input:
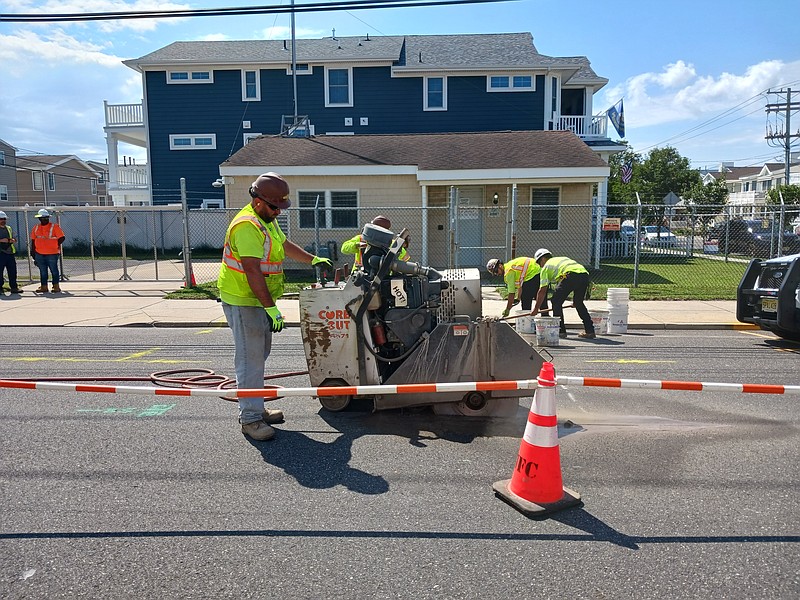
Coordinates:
column 124, row 115
column 130, row 178
column 582, row 125
column 751, row 197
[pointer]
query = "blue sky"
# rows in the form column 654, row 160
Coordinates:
column 692, row 73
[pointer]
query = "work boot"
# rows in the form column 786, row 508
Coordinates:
column 258, row 430
column 562, row 334
column 56, row 288
column 587, row 335
column 272, row 416
column 16, row 291
column 42, row 289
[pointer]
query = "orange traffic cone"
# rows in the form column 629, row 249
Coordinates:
column 535, row 487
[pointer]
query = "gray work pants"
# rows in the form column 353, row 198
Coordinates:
column 252, row 339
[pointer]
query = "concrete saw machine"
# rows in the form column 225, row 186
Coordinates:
column 396, row 322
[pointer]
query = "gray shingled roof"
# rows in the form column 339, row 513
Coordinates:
column 428, row 152
column 436, row 52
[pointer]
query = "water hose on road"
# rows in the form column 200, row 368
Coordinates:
column 178, row 378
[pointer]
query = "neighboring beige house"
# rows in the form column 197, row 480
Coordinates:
column 748, row 186
column 8, row 176
column 55, row 180
column 101, row 169
column 455, row 192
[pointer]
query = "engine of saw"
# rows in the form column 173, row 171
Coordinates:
column 396, row 322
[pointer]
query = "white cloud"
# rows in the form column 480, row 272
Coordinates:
column 678, row 93
column 285, row 33
column 24, row 50
column 85, row 6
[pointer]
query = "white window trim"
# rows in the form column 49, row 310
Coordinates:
column 511, row 87
column 193, row 137
column 2, row 157
column 3, row 193
column 308, row 71
column 189, row 81
column 93, row 185
column 40, row 187
column 425, row 94
column 349, row 102
column 249, row 136
column 51, row 182
column 258, row 85
column 326, row 201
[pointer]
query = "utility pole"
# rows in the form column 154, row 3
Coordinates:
column 779, row 132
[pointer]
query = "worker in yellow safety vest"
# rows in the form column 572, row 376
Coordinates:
column 521, row 276
column 8, row 261
column 356, row 244
column 569, row 277
column 250, row 283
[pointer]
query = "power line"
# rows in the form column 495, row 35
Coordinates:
column 242, row 10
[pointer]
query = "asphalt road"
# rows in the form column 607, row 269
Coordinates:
column 686, row 494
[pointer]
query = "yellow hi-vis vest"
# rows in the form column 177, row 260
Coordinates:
column 232, row 281
column 518, row 271
column 353, row 246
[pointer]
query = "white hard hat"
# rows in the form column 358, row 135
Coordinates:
column 3, row 215
column 493, row 265
column 42, row 213
column 540, row 253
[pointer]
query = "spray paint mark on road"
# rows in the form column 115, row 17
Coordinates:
column 204, row 331
column 136, row 355
column 632, row 361
column 154, row 410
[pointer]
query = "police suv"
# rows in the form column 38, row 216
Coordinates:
column 769, row 295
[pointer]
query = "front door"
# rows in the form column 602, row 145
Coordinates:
column 470, row 227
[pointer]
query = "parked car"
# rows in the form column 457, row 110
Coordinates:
column 627, row 233
column 654, row 235
column 752, row 238
column 769, row 296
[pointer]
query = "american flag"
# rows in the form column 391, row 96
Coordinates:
column 627, row 172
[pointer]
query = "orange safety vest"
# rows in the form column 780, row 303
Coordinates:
column 46, row 238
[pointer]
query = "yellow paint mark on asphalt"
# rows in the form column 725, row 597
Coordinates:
column 759, row 334
column 204, row 331
column 53, row 359
column 633, row 361
column 138, row 354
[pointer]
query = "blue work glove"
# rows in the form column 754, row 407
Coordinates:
column 276, row 318
column 505, row 312
column 318, row 260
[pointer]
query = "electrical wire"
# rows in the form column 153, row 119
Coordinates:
column 213, row 12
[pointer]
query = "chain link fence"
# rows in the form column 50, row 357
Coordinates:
column 631, row 246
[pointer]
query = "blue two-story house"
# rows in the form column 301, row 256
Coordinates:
column 203, row 101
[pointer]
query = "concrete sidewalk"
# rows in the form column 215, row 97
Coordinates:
column 142, row 304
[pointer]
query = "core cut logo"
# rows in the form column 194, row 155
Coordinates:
column 335, row 319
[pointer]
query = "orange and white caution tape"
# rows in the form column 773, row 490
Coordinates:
column 409, row 388
column 356, row 390
column 685, row 386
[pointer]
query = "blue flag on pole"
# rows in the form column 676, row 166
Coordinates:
column 617, row 116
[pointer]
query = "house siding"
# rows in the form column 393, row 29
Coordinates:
column 391, row 104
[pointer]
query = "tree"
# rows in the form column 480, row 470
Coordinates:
column 708, row 199
column 791, row 198
column 664, row 171
column 618, row 191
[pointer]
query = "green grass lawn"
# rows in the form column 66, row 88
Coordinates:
column 660, row 278
column 672, row 279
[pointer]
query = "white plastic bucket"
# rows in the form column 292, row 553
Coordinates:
column 547, row 330
column 617, row 321
column 525, row 324
column 599, row 320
